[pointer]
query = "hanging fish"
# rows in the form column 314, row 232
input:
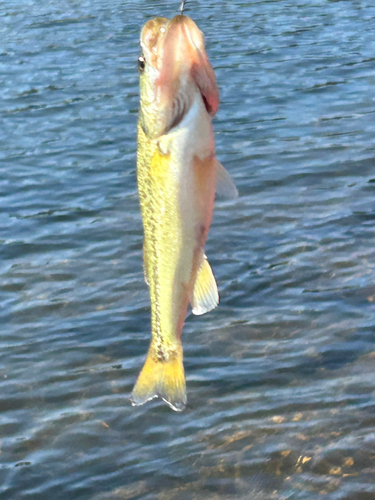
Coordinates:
column 177, row 176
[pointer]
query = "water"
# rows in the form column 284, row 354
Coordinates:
column 281, row 376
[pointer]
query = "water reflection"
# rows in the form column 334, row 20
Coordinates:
column 280, row 377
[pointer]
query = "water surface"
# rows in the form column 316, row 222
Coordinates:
column 281, row 377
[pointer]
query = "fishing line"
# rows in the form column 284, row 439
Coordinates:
column 182, row 7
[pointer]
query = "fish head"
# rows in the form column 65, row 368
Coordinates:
column 174, row 67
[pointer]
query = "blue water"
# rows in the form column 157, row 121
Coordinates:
column 281, row 376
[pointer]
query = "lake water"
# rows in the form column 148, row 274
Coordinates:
column 281, row 376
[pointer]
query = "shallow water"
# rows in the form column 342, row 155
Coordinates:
column 281, row 377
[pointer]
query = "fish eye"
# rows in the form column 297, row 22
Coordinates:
column 141, row 64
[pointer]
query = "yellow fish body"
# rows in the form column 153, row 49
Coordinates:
column 177, row 176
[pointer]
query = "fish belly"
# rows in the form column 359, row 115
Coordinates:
column 184, row 181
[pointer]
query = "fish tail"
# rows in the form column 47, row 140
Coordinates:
column 162, row 376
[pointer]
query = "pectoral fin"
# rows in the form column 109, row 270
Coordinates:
column 224, row 182
column 205, row 295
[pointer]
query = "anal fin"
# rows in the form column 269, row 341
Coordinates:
column 205, row 296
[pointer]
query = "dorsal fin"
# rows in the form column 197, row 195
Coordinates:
column 145, row 265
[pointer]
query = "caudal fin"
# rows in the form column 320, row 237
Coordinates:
column 163, row 378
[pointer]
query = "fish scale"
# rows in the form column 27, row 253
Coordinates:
column 177, row 176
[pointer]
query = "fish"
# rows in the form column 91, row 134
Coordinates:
column 177, row 176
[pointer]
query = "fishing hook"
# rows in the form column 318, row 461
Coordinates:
column 182, row 6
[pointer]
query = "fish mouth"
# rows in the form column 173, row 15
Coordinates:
column 176, row 67
column 151, row 34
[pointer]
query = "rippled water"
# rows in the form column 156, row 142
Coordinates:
column 281, row 377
